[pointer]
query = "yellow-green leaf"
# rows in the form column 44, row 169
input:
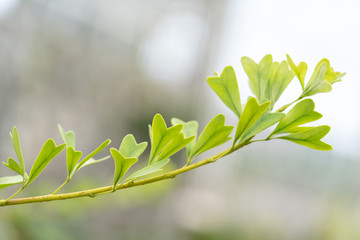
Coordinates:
column 161, row 135
column 226, row 87
column 299, row 70
column 122, row 165
column 47, row 153
column 10, row 180
column 252, row 112
column 16, row 144
column 311, row 138
column 129, row 147
column 68, row 137
column 303, row 112
column 190, row 129
column 213, row 135
column 258, row 75
column 155, row 167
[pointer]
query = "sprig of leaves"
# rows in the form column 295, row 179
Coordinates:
column 47, row 153
column 268, row 79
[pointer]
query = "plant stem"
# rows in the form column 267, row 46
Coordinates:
column 66, row 181
column 108, row 189
column 283, row 108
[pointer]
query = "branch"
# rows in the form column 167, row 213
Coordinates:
column 108, row 189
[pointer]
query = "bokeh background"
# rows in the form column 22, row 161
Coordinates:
column 104, row 68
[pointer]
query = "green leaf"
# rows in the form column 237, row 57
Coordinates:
column 10, row 180
column 310, row 138
column 280, row 78
column 72, row 157
column 214, row 134
column 47, row 153
column 258, row 75
column 190, row 129
column 299, row 70
column 68, row 137
column 16, row 144
column 252, row 112
column 303, row 112
column 226, row 87
column 317, row 82
column 161, row 136
column 13, row 165
column 122, row 165
column 92, row 154
column 129, row 147
column 174, row 146
column 93, row 161
column 298, row 129
column 155, row 167
column 264, row 122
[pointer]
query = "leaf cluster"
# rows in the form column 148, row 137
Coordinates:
column 268, row 79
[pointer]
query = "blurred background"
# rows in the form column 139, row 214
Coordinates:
column 104, row 68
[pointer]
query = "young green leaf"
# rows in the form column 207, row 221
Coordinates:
column 258, row 74
column 265, row 121
column 16, row 144
column 213, row 135
column 322, row 79
column 252, row 112
column 129, row 147
column 68, row 137
column 310, row 138
column 155, row 167
column 303, row 112
column 174, row 146
column 299, row 70
column 280, row 78
column 190, row 129
column 47, row 153
column 226, row 87
column 92, row 154
column 93, row 161
column 13, row 165
column 317, row 82
column 122, row 165
column 10, row 180
column 161, row 136
column 72, row 157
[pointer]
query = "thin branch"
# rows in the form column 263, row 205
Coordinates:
column 108, row 189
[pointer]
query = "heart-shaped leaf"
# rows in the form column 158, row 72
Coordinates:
column 265, row 121
column 178, row 143
column 310, row 138
column 68, row 137
column 13, row 165
column 213, row 135
column 252, row 112
column 161, row 135
column 299, row 70
column 47, row 153
column 10, row 180
column 303, row 112
column 93, row 161
column 16, row 144
column 321, row 79
column 122, row 165
column 129, row 147
column 258, row 75
column 153, row 168
column 280, row 78
column 92, row 154
column 226, row 87
column 72, row 157
column 190, row 129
